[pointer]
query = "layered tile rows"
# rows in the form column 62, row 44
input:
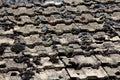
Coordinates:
column 59, row 40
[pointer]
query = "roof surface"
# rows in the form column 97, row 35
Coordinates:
column 59, row 39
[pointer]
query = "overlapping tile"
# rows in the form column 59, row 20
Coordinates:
column 59, row 39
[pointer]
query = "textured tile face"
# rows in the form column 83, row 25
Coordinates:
column 59, row 39
column 81, row 61
column 87, row 73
